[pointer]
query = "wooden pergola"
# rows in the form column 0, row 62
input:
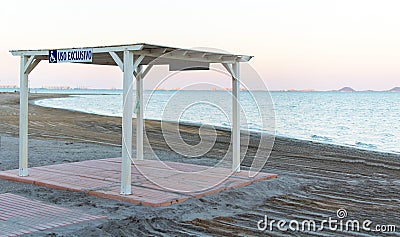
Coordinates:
column 135, row 61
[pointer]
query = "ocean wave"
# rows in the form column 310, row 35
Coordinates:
column 253, row 126
column 321, row 138
column 342, row 127
column 366, row 145
column 387, row 135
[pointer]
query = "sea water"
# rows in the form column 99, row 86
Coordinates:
column 365, row 120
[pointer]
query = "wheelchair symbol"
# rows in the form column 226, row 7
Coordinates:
column 53, row 56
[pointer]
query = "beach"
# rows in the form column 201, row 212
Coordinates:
column 315, row 179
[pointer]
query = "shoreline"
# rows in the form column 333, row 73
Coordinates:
column 314, row 179
column 218, row 127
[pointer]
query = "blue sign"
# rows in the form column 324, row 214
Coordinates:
column 70, row 56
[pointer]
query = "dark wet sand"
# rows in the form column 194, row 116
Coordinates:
column 315, row 180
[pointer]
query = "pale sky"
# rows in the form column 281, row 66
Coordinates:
column 320, row 44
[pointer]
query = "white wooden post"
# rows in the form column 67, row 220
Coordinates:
column 127, row 123
column 235, row 117
column 139, row 114
column 23, row 118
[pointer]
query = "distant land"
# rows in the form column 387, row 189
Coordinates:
column 344, row 89
column 395, row 89
column 349, row 89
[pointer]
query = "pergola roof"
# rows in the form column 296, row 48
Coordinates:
column 154, row 54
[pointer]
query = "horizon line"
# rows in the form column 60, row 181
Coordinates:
column 344, row 89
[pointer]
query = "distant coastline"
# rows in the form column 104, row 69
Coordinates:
column 349, row 89
column 15, row 88
column 343, row 89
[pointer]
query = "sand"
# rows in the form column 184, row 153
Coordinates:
column 315, row 180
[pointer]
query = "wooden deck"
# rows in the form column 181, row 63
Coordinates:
column 154, row 183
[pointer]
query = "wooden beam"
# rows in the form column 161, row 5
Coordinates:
column 127, row 113
column 182, row 56
column 229, row 68
column 23, row 118
column 33, row 65
column 28, row 62
column 139, row 114
column 236, row 119
column 117, row 60
column 159, row 51
column 147, row 70
column 137, row 62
